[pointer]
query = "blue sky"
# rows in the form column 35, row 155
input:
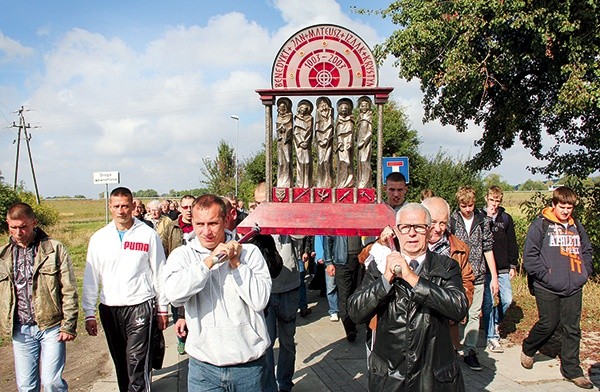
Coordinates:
column 147, row 88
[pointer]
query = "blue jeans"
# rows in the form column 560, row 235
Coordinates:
column 33, row 348
column 493, row 315
column 203, row 376
column 281, row 323
column 302, row 302
column 471, row 331
column 332, row 295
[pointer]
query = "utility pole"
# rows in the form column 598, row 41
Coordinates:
column 237, row 130
column 24, row 127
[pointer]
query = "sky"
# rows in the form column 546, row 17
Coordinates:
column 148, row 88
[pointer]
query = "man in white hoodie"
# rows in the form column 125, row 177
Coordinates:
column 225, row 287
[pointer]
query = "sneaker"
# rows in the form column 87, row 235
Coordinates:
column 351, row 336
column 494, row 346
column 334, row 317
column 581, row 382
column 181, row 348
column 526, row 361
column 305, row 312
column 472, row 362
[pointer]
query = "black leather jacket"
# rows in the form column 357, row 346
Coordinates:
column 412, row 349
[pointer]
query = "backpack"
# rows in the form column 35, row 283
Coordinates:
column 267, row 247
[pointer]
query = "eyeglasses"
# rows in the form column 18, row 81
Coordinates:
column 185, row 207
column 419, row 229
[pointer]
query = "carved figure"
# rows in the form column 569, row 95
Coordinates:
column 364, row 138
column 344, row 129
column 284, row 127
column 324, row 143
column 303, row 134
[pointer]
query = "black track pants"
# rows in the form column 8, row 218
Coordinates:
column 128, row 332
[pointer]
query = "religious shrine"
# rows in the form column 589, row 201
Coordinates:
column 323, row 148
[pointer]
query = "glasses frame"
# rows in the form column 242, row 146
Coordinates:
column 404, row 228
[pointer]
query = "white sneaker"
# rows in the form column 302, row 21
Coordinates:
column 494, row 346
column 334, row 317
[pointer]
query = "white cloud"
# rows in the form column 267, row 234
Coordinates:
column 154, row 113
column 11, row 50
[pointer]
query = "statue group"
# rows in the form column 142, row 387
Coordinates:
column 339, row 136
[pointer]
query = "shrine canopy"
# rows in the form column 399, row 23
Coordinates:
column 324, row 57
column 318, row 62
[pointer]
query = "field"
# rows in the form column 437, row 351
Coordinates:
column 79, row 219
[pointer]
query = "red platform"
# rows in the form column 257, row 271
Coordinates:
column 319, row 219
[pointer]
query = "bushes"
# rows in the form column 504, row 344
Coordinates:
column 46, row 215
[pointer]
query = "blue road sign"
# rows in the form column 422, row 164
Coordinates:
column 395, row 164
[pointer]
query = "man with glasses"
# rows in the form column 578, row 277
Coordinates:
column 184, row 221
column 415, row 298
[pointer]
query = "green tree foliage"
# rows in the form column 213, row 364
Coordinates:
column 220, row 172
column 254, row 173
column 496, row 179
column 518, row 69
column 586, row 210
column 444, row 174
column 46, row 216
column 531, row 185
column 145, row 193
column 8, row 196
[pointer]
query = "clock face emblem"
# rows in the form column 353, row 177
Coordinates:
column 324, row 56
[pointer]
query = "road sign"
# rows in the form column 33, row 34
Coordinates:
column 395, row 164
column 106, row 178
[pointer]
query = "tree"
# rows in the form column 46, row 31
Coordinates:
column 531, row 185
column 496, row 179
column 146, row 193
column 515, row 68
column 444, row 174
column 220, row 172
column 46, row 215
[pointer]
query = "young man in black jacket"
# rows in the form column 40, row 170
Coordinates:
column 558, row 258
column 506, row 255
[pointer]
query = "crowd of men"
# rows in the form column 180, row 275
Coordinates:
column 419, row 289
